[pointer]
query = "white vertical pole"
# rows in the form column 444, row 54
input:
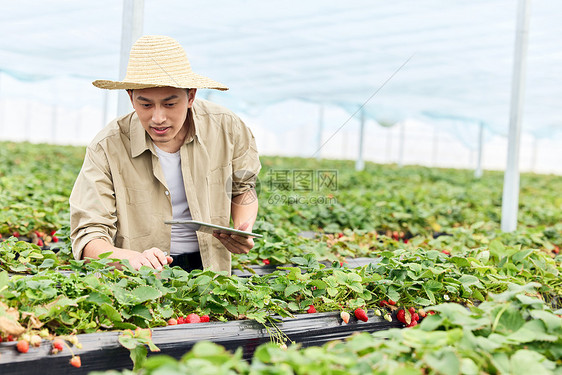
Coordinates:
column 131, row 30
column 401, row 144
column 510, row 199
column 359, row 163
column 320, row 131
column 478, row 171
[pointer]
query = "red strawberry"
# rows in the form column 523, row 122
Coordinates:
column 446, row 252
column 181, row 320
column 406, row 241
column 415, row 317
column 53, row 233
column 361, row 314
column 10, row 338
column 383, row 303
column 401, row 316
column 75, row 361
column 391, row 302
column 556, row 250
column 22, row 346
column 345, row 316
column 40, row 243
column 205, row 318
column 311, row 309
column 172, row 322
column 413, row 323
column 412, row 310
column 340, row 235
column 58, row 345
column 193, row 318
column 16, row 234
column 55, row 239
column 395, row 235
column 265, row 261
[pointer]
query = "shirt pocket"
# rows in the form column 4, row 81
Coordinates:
column 139, row 212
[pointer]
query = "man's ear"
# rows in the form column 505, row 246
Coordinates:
column 191, row 97
column 130, row 92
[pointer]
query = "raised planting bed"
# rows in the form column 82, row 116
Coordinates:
column 102, row 351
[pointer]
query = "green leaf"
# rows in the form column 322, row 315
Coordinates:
column 291, row 289
column 443, row 361
column 111, row 313
column 145, row 293
column 525, row 362
column 142, row 312
column 98, row 298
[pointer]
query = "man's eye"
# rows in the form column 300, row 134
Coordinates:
column 145, row 105
column 170, row 104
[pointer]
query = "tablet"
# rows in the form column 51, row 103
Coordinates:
column 212, row 228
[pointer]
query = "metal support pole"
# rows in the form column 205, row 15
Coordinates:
column 320, row 131
column 131, row 30
column 105, row 108
column 510, row 199
column 478, row 171
column 360, row 163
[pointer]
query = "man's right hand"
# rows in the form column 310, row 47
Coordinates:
column 153, row 257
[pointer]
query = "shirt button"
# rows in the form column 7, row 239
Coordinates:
column 167, row 192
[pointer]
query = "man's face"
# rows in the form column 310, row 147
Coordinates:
column 162, row 112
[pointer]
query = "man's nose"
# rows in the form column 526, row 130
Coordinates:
column 158, row 115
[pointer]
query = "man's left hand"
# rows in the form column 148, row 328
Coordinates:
column 234, row 243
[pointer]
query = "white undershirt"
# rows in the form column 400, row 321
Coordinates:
column 184, row 240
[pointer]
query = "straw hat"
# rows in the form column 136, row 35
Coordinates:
column 157, row 61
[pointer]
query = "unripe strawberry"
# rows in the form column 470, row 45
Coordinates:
column 345, row 316
column 35, row 340
column 388, row 317
column 422, row 313
column 172, row 322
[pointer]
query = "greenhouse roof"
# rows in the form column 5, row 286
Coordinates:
column 439, row 60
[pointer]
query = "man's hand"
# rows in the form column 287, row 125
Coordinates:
column 153, row 258
column 234, row 243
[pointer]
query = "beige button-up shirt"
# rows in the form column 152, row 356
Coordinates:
column 121, row 195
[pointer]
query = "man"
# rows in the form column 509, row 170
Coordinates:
column 174, row 157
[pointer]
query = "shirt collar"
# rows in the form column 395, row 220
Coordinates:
column 140, row 140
